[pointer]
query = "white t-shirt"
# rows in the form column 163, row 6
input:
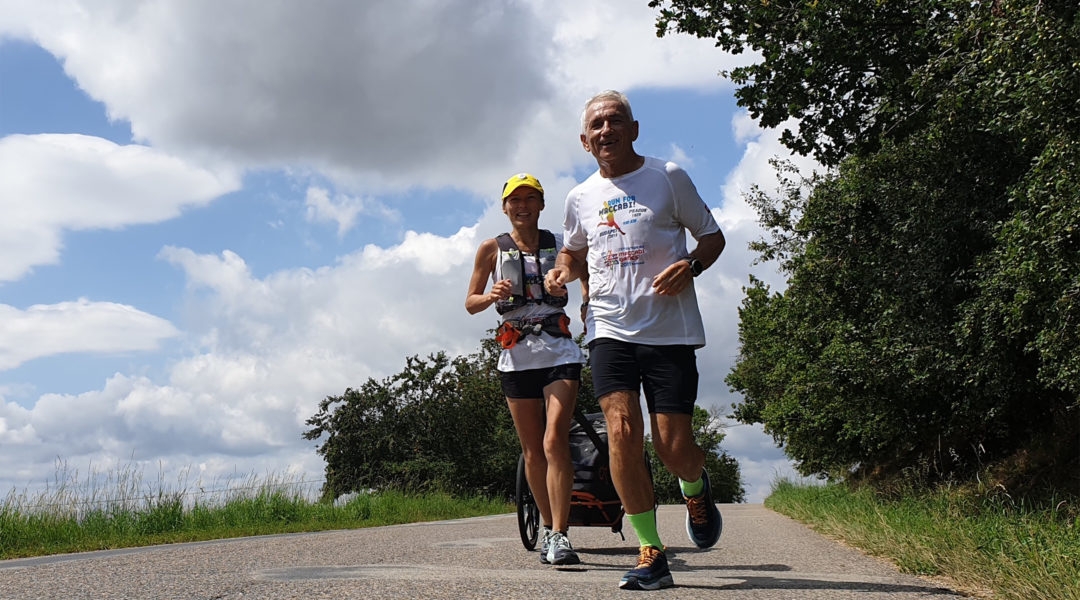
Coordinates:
column 541, row 351
column 635, row 226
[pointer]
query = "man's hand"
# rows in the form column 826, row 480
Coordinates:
column 673, row 280
column 555, row 281
column 677, row 277
column 568, row 267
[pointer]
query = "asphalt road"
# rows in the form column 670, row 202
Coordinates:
column 761, row 556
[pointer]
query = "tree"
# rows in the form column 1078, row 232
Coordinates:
column 930, row 320
column 440, row 423
column 841, row 67
column 1021, row 75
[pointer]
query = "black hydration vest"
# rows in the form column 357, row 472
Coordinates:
column 512, row 267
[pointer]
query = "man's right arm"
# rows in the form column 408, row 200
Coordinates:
column 569, row 265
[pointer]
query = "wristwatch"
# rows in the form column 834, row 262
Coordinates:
column 695, row 265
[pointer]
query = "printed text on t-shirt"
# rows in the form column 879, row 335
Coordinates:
column 634, row 255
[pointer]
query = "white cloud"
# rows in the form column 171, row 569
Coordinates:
column 679, row 156
column 613, row 45
column 267, row 351
column 342, row 209
column 81, row 326
column 362, row 87
column 378, row 94
column 52, row 183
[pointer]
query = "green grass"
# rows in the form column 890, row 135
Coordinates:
column 119, row 510
column 986, row 544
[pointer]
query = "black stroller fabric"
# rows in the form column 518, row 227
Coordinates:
column 593, row 501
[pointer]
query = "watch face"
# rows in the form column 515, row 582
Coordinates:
column 695, row 267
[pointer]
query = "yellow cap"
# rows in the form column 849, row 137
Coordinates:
column 519, row 180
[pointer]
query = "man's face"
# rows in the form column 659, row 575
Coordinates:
column 609, row 133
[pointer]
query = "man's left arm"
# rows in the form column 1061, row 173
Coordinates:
column 693, row 214
column 709, row 248
column 677, row 277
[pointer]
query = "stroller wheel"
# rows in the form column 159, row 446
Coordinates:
column 528, row 515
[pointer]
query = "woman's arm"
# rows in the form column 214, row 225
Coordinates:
column 476, row 299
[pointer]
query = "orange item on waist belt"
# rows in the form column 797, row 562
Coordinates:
column 507, row 335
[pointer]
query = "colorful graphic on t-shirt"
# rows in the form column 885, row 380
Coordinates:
column 607, row 213
column 610, row 222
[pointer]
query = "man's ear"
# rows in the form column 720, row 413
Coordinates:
column 584, row 143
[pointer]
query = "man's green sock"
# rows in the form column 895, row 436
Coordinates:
column 644, row 525
column 691, row 489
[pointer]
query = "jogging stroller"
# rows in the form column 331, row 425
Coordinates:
column 593, row 501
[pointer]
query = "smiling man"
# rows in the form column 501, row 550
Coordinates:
column 625, row 229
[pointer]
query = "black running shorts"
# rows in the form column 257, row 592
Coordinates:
column 531, row 383
column 668, row 374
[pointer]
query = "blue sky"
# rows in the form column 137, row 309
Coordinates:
column 217, row 214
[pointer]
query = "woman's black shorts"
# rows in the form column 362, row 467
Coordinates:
column 531, row 382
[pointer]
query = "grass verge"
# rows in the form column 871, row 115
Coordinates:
column 119, row 511
column 986, row 544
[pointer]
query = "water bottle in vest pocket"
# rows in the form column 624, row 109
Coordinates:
column 510, row 268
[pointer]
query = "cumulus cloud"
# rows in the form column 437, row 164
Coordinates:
column 266, row 351
column 385, row 93
column 612, row 45
column 401, row 298
column 359, row 86
column 134, row 419
column 80, row 326
column 342, row 209
column 52, row 183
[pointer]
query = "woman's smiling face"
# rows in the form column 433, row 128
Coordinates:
column 523, row 205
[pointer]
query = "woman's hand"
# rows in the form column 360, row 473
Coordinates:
column 500, row 291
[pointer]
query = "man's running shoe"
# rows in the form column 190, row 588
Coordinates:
column 545, row 542
column 560, row 552
column 703, row 520
column 651, row 572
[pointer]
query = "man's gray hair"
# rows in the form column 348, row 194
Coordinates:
column 603, row 97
